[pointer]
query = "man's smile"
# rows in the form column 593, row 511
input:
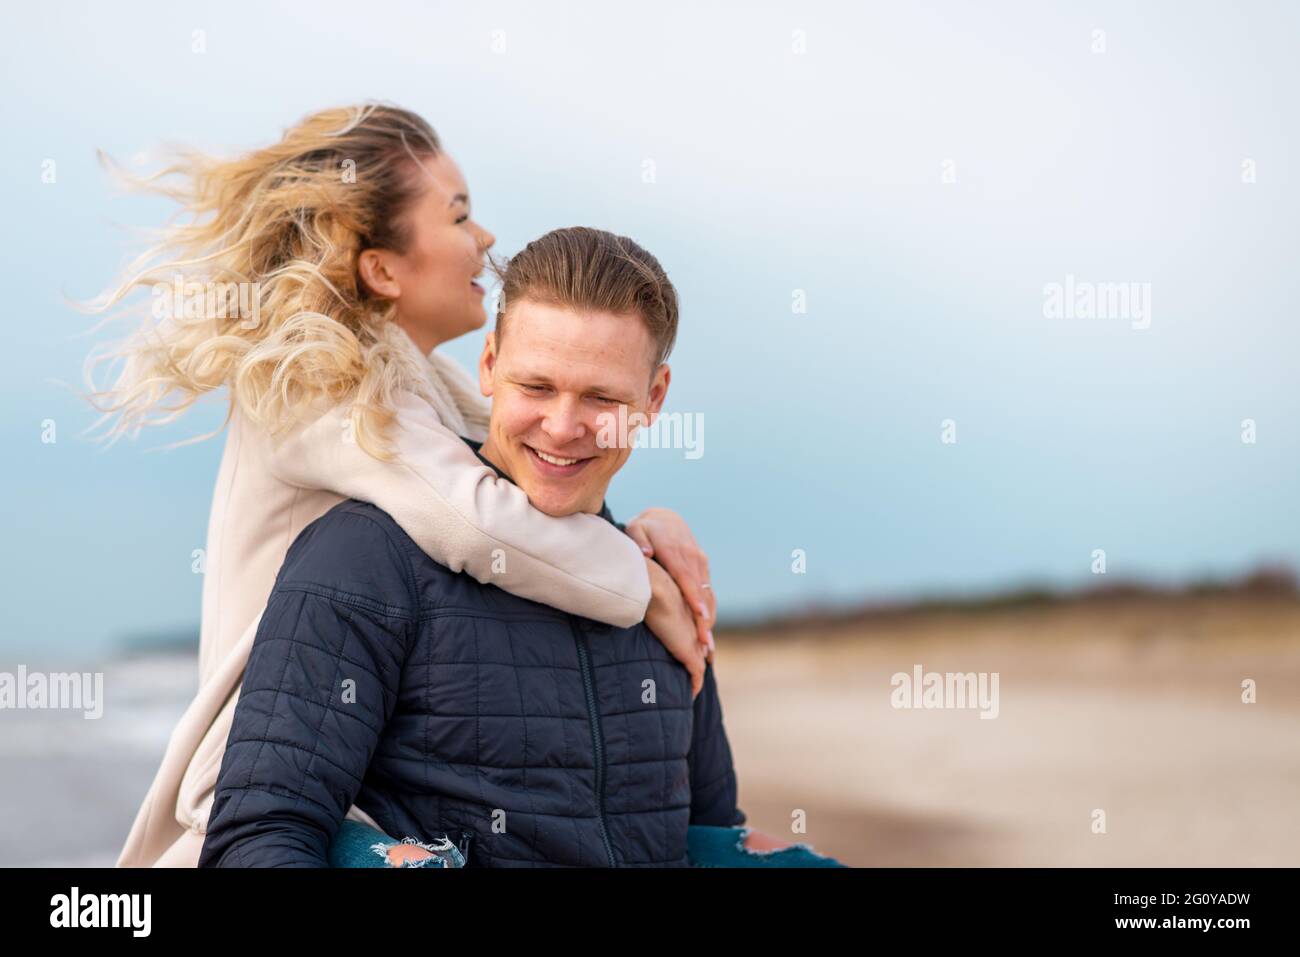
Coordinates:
column 559, row 466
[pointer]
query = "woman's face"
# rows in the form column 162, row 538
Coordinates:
column 433, row 281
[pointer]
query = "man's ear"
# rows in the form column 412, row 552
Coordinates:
column 487, row 361
column 376, row 272
column 658, row 389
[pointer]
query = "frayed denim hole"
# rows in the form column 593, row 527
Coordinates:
column 382, row 851
column 759, row 852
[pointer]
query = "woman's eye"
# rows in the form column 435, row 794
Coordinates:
column 462, row 219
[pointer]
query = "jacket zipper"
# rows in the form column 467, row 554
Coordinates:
column 597, row 739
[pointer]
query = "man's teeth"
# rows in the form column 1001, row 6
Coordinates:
column 553, row 459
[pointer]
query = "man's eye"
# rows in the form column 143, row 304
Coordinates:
column 462, row 219
column 533, row 389
column 605, row 400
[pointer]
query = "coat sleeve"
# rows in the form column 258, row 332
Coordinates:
column 467, row 519
column 320, row 686
column 713, row 777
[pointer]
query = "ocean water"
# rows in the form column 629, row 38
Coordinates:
column 73, row 784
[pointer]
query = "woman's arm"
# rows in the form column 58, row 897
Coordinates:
column 463, row 516
column 670, row 621
column 664, row 536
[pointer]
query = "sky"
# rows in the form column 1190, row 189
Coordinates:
column 865, row 209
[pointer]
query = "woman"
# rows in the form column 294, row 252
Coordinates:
column 314, row 280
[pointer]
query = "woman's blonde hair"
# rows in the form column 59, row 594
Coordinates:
column 257, row 290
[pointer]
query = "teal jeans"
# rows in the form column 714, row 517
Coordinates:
column 357, row 845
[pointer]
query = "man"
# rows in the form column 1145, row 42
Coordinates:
column 442, row 706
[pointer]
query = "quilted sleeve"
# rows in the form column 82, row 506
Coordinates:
column 321, row 683
column 713, row 777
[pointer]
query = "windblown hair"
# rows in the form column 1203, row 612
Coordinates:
column 585, row 268
column 256, row 288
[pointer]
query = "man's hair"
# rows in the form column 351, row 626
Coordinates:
column 584, row 268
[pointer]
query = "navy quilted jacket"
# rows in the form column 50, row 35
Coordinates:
column 443, row 706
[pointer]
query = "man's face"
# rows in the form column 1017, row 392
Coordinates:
column 554, row 379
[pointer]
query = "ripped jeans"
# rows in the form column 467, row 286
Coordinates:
column 356, row 845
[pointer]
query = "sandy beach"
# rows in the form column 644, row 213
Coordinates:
column 1133, row 708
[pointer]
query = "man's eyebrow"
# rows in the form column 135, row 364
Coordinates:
column 459, row 198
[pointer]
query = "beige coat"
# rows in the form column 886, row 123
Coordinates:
column 451, row 504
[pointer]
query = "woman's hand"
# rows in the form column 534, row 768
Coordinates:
column 672, row 623
column 664, row 536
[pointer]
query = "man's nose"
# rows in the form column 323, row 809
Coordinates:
column 563, row 422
